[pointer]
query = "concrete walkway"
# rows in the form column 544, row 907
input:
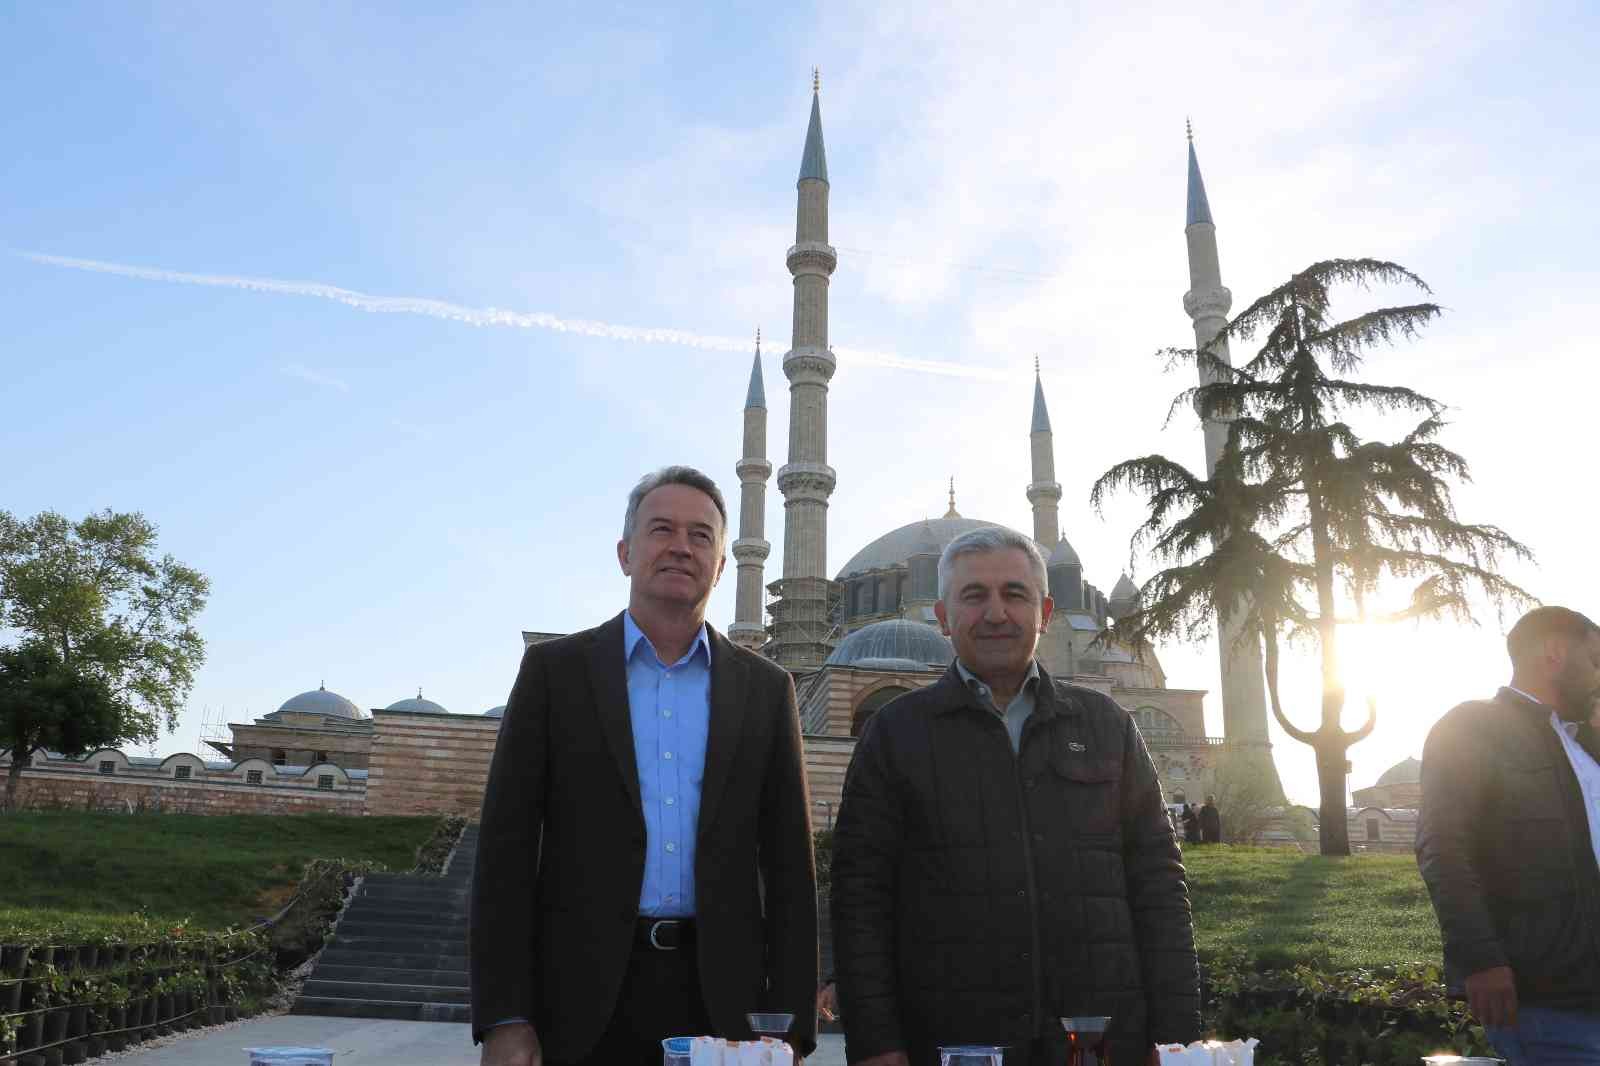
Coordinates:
column 353, row 1041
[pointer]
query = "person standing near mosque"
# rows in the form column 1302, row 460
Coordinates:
column 1508, row 843
column 1002, row 855
column 645, row 864
column 1210, row 822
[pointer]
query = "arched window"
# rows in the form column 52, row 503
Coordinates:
column 871, row 705
column 1154, row 723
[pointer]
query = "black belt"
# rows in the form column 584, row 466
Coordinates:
column 664, row 934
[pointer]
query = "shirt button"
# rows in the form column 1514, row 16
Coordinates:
column 666, row 714
column 671, row 847
column 1022, row 892
column 667, row 756
column 671, row 800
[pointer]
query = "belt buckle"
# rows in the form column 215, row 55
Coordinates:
column 655, row 927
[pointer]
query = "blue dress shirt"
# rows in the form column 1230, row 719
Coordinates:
column 670, row 707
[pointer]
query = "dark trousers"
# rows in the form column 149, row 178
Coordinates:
column 660, row 998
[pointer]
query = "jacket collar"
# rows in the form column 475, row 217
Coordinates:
column 951, row 693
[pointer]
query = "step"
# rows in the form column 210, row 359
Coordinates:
column 400, row 945
column 354, row 926
column 317, row 988
column 417, row 893
column 328, row 1006
column 337, row 955
column 366, row 908
column 384, row 975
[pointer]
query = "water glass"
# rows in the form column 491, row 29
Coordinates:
column 769, row 1024
column 972, row 1055
column 675, row 1050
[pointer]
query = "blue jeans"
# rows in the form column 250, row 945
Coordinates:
column 1545, row 1036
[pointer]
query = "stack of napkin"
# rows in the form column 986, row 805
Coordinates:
column 715, row 1051
column 1210, row 1053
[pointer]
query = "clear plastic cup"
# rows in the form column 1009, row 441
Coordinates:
column 770, row 1024
column 290, row 1056
column 675, row 1050
column 972, row 1055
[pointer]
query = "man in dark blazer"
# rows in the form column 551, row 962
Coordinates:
column 645, row 865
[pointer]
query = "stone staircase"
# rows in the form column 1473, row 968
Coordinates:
column 400, row 948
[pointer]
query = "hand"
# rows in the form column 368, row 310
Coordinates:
column 515, row 1044
column 828, row 1002
column 1492, row 995
column 893, row 1058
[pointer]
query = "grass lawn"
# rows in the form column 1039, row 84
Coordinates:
column 1266, row 908
column 92, row 870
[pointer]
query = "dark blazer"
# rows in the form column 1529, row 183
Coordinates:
column 555, row 895
column 979, row 896
column 1503, row 845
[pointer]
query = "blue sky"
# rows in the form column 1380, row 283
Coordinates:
column 383, row 500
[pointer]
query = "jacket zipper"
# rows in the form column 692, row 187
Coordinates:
column 1036, row 1014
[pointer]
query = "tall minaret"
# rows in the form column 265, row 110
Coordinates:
column 1244, row 698
column 1044, row 492
column 750, row 550
column 801, row 616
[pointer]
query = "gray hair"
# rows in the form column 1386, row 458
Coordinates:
column 673, row 475
column 992, row 539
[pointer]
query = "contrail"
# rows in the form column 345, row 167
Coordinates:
column 493, row 316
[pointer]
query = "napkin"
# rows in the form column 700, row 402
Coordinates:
column 1209, row 1053
column 715, row 1051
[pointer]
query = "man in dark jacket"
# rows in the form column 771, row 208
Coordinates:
column 1191, row 824
column 645, row 867
column 1507, row 844
column 1002, row 857
column 1210, row 822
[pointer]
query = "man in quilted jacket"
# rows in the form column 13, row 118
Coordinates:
column 1002, row 857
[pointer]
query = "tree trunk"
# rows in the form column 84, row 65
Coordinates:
column 1331, row 781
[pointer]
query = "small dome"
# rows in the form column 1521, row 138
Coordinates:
column 895, row 639
column 1064, row 555
column 417, row 706
column 495, row 712
column 320, row 701
column 1124, row 589
column 1407, row 772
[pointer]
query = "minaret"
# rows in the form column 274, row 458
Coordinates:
column 1044, row 492
column 750, row 550
column 1244, row 698
column 801, row 621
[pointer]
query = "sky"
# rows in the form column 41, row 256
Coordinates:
column 378, row 313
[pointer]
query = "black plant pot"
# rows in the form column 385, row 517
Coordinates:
column 13, row 959
column 55, row 1024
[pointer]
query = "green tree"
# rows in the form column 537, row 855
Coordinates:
column 1305, row 526
column 45, row 704
column 99, row 596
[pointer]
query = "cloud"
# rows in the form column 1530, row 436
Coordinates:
column 315, row 377
column 493, row 316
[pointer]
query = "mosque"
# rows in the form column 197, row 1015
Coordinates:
column 857, row 638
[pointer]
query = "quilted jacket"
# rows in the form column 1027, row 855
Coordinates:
column 979, row 895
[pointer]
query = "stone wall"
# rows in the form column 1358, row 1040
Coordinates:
column 51, row 788
column 1396, row 829
column 429, row 763
column 827, row 758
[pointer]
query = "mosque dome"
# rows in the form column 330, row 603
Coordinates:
column 495, row 712
column 320, row 701
column 918, row 538
column 895, row 644
column 1065, row 555
column 417, row 706
column 1406, row 772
